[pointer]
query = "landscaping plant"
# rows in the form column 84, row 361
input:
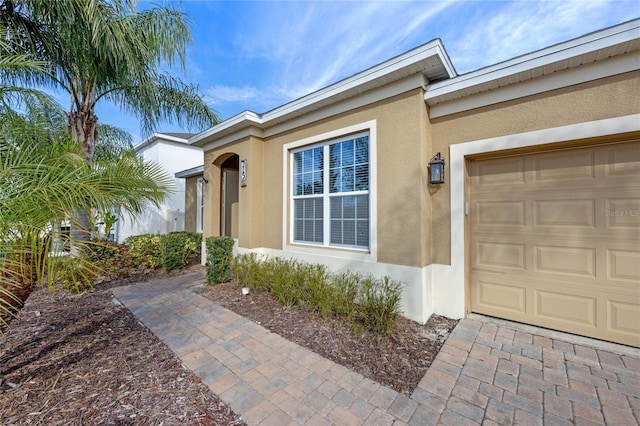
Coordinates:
column 219, row 259
column 372, row 304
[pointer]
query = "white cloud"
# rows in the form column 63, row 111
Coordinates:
column 516, row 28
column 280, row 51
column 221, row 93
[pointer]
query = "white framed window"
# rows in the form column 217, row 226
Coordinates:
column 330, row 191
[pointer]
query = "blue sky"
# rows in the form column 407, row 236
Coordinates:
column 258, row 55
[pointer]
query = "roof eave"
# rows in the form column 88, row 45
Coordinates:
column 429, row 59
column 520, row 69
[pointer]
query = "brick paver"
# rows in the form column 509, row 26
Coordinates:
column 488, row 372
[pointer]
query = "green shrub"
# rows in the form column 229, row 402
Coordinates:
column 219, row 259
column 284, row 280
column 316, row 290
column 345, row 291
column 371, row 304
column 378, row 304
column 178, row 249
column 75, row 274
column 110, row 259
column 145, row 250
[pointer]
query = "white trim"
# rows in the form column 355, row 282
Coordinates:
column 616, row 65
column 158, row 137
column 449, row 287
column 287, row 180
column 520, row 68
column 200, row 191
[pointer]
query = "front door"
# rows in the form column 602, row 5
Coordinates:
column 229, row 203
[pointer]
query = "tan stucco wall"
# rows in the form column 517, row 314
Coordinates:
column 413, row 217
column 250, row 218
column 402, row 196
column 596, row 100
column 191, row 204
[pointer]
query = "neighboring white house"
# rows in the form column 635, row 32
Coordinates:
column 174, row 154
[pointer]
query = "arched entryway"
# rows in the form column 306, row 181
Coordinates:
column 229, row 170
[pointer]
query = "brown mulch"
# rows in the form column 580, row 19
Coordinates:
column 82, row 359
column 398, row 361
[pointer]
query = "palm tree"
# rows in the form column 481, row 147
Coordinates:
column 43, row 179
column 107, row 50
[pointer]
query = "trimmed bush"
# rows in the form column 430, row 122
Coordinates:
column 145, row 250
column 219, row 259
column 178, row 249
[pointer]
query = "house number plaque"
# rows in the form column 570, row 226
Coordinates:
column 243, row 173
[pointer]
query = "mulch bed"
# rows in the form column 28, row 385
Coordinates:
column 398, row 361
column 82, row 359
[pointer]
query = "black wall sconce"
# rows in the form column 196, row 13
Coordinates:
column 436, row 170
column 203, row 180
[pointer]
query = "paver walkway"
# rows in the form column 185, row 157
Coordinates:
column 488, row 371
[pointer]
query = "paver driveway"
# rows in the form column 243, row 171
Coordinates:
column 488, row 371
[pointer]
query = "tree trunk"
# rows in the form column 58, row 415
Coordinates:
column 83, row 129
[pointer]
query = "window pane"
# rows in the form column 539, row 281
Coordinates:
column 334, row 155
column 317, row 183
column 318, row 231
column 350, row 221
column 362, row 236
column 297, row 162
column 307, row 172
column 299, row 210
column 298, row 232
column 362, row 178
column 334, row 180
column 362, row 150
column 349, row 232
column 307, row 180
column 336, row 232
column 347, row 153
column 318, row 156
column 297, row 190
column 348, row 175
column 363, row 207
column 307, row 165
column 349, row 166
column 308, row 226
column 348, row 207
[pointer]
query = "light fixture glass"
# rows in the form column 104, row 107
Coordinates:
column 436, row 170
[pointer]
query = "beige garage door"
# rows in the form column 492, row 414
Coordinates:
column 555, row 239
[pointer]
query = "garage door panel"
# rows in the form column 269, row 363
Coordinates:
column 623, row 161
column 563, row 308
column 558, row 245
column 501, row 213
column 623, row 212
column 623, row 265
column 565, row 165
column 495, row 297
column 497, row 255
column 508, row 172
column 623, row 317
column 565, row 260
column 565, row 213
